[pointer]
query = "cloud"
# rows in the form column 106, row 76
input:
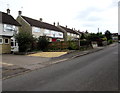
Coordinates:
column 80, row 14
column 86, row 13
column 114, row 3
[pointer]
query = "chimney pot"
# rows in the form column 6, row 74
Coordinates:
column 54, row 23
column 41, row 19
column 8, row 11
column 19, row 12
column 58, row 23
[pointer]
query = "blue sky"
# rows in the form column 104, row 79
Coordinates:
column 79, row 14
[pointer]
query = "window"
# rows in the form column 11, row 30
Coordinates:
column 9, row 27
column 1, row 41
column 68, row 33
column 36, row 29
column 77, row 36
column 71, row 34
column 6, row 41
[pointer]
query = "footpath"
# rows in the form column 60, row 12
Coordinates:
column 11, row 70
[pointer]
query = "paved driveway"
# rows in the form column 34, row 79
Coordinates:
column 23, row 61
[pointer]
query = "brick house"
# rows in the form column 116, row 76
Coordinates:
column 40, row 28
column 8, row 27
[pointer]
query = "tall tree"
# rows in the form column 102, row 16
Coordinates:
column 108, row 35
column 82, row 36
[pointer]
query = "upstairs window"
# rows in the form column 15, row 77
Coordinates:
column 72, row 34
column 36, row 29
column 68, row 33
column 9, row 27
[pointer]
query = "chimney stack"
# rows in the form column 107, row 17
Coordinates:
column 54, row 23
column 19, row 13
column 41, row 19
column 8, row 11
column 66, row 26
column 58, row 23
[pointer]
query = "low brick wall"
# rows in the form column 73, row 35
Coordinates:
column 6, row 48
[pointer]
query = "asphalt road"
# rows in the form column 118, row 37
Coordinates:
column 93, row 72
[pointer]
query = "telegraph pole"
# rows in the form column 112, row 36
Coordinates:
column 98, row 30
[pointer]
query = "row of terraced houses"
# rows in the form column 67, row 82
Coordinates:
column 9, row 27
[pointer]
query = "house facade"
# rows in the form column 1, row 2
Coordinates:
column 8, row 27
column 115, row 36
column 70, row 34
column 39, row 28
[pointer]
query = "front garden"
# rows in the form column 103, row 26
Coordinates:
column 28, row 43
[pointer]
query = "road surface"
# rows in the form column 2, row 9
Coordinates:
column 93, row 72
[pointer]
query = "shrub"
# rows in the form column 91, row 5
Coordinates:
column 43, row 43
column 104, row 39
column 84, row 43
column 110, row 41
column 25, row 40
column 73, row 45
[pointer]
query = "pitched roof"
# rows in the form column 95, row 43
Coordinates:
column 8, row 19
column 69, row 30
column 40, row 24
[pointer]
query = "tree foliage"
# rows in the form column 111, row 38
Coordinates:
column 24, row 40
column 108, row 35
column 83, row 36
column 95, row 37
column 43, row 43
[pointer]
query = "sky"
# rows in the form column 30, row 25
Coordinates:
column 79, row 14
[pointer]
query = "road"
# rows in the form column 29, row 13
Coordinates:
column 93, row 72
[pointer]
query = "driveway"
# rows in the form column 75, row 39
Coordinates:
column 24, row 61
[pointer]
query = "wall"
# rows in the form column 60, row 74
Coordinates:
column 25, row 26
column 5, row 48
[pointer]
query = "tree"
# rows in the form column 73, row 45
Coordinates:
column 92, row 37
column 25, row 40
column 43, row 43
column 108, row 35
column 82, row 36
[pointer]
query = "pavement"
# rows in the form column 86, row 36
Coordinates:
column 13, row 65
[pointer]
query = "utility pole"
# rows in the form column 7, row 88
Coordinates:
column 98, row 30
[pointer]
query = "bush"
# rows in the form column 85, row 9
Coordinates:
column 110, row 41
column 84, row 43
column 24, row 40
column 73, row 45
column 104, row 39
column 43, row 43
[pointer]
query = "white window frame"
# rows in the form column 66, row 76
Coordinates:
column 72, row 34
column 68, row 34
column 4, row 41
column 36, row 30
column 8, row 28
